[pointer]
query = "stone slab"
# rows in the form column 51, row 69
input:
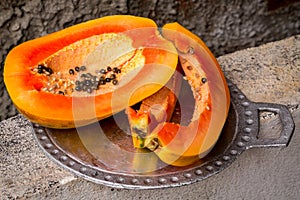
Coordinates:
column 269, row 73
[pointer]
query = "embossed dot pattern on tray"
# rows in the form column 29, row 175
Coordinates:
column 63, row 158
column 174, row 179
column 187, row 175
column 246, row 138
column 240, row 144
column 108, row 178
column 40, row 130
column 162, row 180
column 134, row 181
column 148, row 181
column 247, row 130
column 54, row 151
column 218, row 163
column 120, row 180
column 94, row 173
column 249, row 121
column 209, row 168
column 241, row 97
column 226, row 158
column 245, row 104
column 248, row 113
column 198, row 172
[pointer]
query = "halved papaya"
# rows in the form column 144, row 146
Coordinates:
column 87, row 72
column 182, row 145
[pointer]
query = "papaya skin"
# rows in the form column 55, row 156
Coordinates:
column 183, row 145
column 56, row 111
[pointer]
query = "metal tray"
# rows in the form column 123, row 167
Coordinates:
column 117, row 165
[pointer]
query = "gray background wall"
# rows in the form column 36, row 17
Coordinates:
column 225, row 26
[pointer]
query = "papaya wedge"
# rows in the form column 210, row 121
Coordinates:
column 183, row 145
column 154, row 110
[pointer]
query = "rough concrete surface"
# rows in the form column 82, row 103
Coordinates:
column 225, row 26
column 24, row 168
column 269, row 73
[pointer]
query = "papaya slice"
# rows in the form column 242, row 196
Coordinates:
column 155, row 109
column 89, row 71
column 182, row 145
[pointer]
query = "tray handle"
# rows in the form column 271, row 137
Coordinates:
column 287, row 122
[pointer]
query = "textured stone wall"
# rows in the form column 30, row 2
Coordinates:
column 225, row 26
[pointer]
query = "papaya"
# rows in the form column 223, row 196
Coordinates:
column 88, row 71
column 153, row 110
column 181, row 145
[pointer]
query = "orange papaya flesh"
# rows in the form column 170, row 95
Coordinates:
column 153, row 110
column 183, row 145
column 39, row 81
column 139, row 126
